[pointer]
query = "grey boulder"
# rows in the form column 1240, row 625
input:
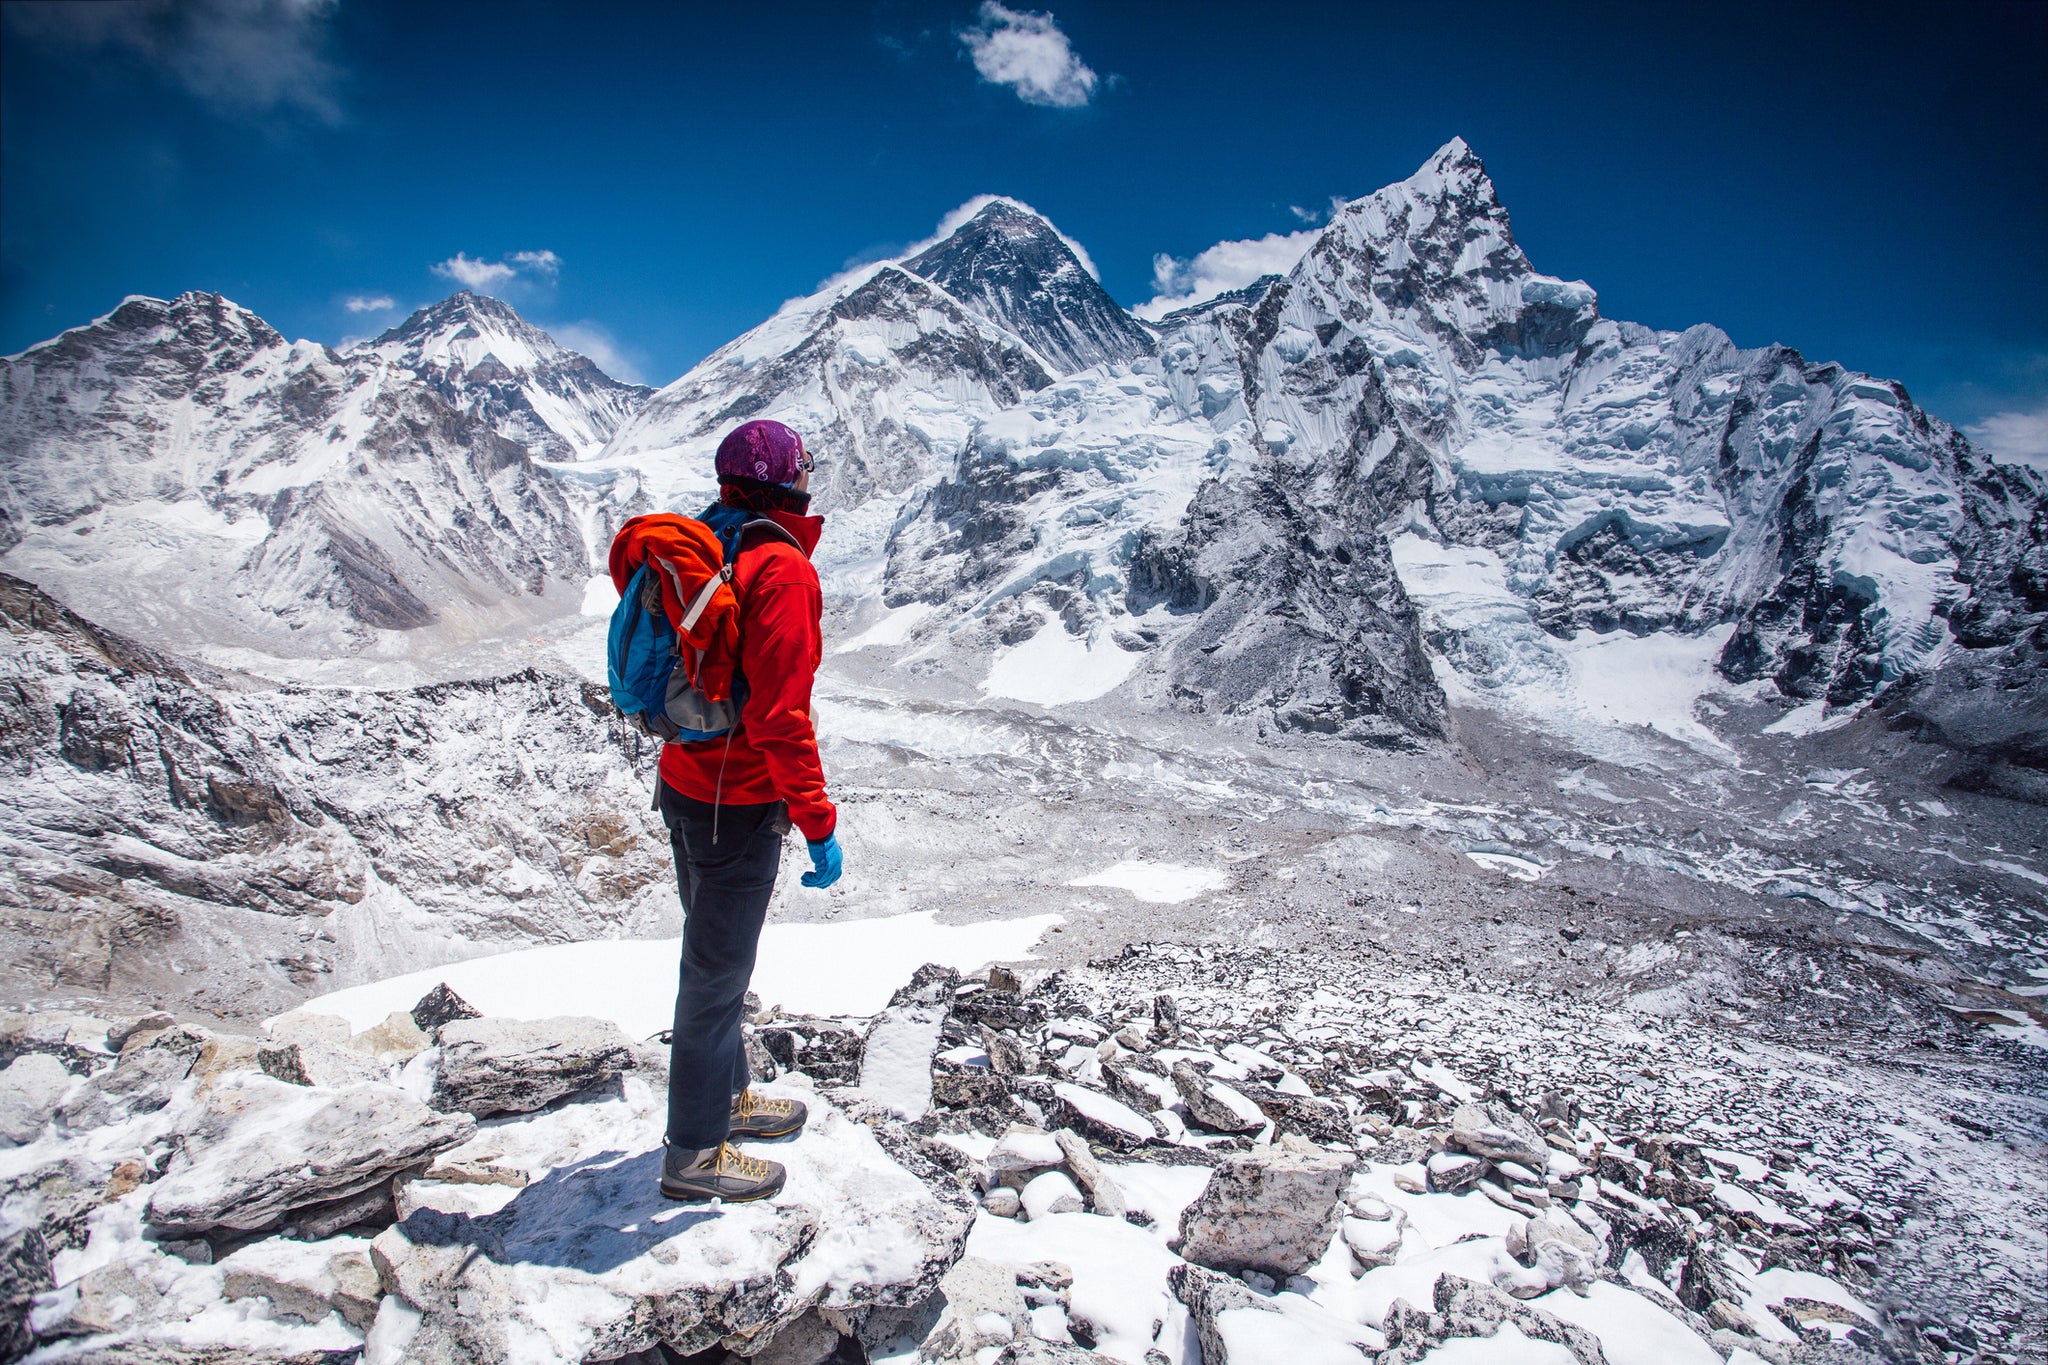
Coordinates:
column 1272, row 1210
column 1219, row 1307
column 515, row 1066
column 31, row 1088
column 258, row 1149
column 1498, row 1133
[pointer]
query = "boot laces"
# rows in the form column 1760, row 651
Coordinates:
column 733, row 1161
column 751, row 1102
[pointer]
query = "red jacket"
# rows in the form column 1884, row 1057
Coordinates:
column 773, row 754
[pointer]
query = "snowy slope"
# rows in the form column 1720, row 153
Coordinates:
column 486, row 360
column 180, row 471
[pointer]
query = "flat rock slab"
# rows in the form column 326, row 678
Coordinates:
column 258, row 1148
column 589, row 1262
column 1270, row 1210
column 515, row 1066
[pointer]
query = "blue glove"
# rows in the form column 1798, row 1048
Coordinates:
column 826, row 863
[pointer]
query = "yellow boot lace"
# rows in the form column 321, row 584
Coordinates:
column 750, row 1103
column 733, row 1161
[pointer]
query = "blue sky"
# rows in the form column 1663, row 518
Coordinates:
column 1867, row 183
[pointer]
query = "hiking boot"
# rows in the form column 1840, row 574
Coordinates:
column 721, row 1172
column 755, row 1115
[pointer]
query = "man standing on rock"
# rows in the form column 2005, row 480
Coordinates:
column 728, row 802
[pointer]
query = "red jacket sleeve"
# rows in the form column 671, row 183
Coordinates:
column 781, row 645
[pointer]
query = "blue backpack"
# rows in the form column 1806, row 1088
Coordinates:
column 680, row 687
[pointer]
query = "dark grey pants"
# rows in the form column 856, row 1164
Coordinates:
column 725, row 887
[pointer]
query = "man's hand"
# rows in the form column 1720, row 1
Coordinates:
column 826, row 863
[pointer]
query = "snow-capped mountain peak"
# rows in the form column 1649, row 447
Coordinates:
column 468, row 329
column 1011, row 267
column 484, row 358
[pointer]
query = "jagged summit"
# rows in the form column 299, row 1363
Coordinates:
column 1013, row 268
column 483, row 357
column 470, row 326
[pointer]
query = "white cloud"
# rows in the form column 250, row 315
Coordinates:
column 593, row 340
column 2014, row 437
column 479, row 274
column 1028, row 53
column 360, row 303
column 537, row 262
column 241, row 55
column 1223, row 267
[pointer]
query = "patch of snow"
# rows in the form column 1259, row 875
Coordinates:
column 838, row 969
column 1160, row 883
column 1632, row 1329
column 1054, row 668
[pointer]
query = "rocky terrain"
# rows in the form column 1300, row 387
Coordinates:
column 1175, row 1154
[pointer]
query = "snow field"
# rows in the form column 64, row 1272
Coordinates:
column 833, row 969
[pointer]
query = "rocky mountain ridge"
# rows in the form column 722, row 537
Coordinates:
column 486, row 360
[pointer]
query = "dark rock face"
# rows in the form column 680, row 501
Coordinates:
column 1011, row 267
column 439, row 1006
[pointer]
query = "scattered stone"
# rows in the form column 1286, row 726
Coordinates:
column 309, row 1026
column 809, row 1340
column 107, row 1298
column 31, row 1088
column 1095, row 1115
column 1373, row 1244
column 258, row 1149
column 982, row 1308
column 1554, row 1252
column 1165, row 1019
column 1239, row 1327
column 1214, row 1105
column 369, row 1211
column 121, row 1032
column 1002, row 1201
column 1498, row 1133
column 305, row 1281
column 514, row 1066
column 931, row 984
column 321, row 1064
column 1007, row 1056
column 1022, row 1152
column 1319, row 1119
column 1471, row 1309
column 24, row 1273
column 827, row 1051
column 398, row 1038
column 1267, row 1210
column 1050, row 1192
column 896, row 1059
column 1003, row 979
column 439, row 1006
column 1103, row 1195
column 1453, row 1172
